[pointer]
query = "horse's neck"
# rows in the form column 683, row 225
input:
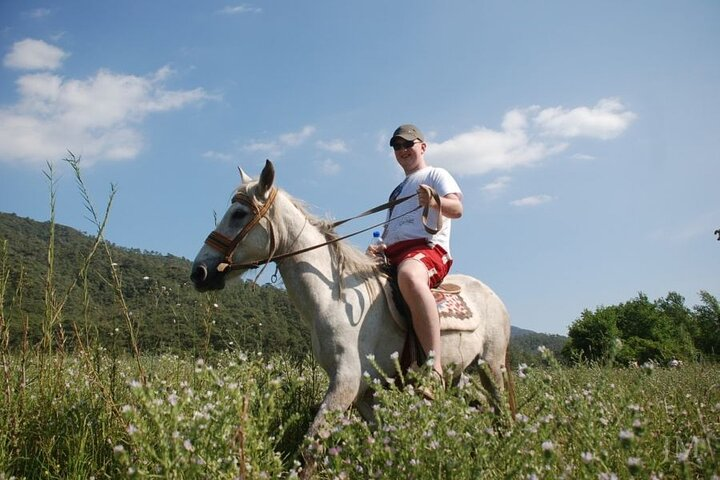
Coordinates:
column 309, row 275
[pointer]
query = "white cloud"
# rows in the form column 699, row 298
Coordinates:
column 335, row 146
column 294, row 139
column 531, row 201
column 269, row 147
column 31, row 54
column 583, row 157
column 483, row 150
column 213, row 155
column 528, row 136
column 277, row 148
column 496, row 186
column 39, row 13
column 328, row 167
column 606, row 120
column 97, row 117
column 239, row 9
column 699, row 226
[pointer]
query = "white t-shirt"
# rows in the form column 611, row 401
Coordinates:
column 410, row 226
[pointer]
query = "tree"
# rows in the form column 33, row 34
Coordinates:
column 640, row 330
column 593, row 337
column 707, row 316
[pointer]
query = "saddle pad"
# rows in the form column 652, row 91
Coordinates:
column 455, row 314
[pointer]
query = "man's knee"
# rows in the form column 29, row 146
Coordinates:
column 412, row 272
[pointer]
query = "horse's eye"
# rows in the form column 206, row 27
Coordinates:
column 238, row 215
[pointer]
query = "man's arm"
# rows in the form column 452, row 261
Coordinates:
column 451, row 204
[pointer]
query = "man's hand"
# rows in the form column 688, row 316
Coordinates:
column 450, row 205
column 377, row 252
column 425, row 196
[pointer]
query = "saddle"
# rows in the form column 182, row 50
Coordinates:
column 454, row 313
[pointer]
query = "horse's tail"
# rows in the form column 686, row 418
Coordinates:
column 510, row 384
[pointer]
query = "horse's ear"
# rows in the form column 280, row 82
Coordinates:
column 244, row 176
column 267, row 177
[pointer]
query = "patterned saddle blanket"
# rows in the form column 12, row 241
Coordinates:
column 454, row 312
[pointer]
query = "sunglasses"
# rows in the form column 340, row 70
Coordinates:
column 403, row 145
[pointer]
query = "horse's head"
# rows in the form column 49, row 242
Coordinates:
column 241, row 238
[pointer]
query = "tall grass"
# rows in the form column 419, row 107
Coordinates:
column 93, row 413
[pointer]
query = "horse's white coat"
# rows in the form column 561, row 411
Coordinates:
column 337, row 292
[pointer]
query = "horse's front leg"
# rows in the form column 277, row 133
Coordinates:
column 343, row 390
column 340, row 395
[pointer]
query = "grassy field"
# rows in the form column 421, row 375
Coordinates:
column 244, row 416
column 96, row 414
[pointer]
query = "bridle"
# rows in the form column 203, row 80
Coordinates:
column 227, row 246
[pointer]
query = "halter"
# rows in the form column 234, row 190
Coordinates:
column 227, row 246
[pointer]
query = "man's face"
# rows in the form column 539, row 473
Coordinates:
column 409, row 154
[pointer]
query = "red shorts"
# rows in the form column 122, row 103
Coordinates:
column 436, row 259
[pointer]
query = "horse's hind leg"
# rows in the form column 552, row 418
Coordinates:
column 364, row 405
column 492, row 380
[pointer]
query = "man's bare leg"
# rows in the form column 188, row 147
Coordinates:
column 413, row 281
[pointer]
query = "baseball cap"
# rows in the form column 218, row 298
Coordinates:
column 408, row 132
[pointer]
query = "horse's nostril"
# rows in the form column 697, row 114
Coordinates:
column 199, row 274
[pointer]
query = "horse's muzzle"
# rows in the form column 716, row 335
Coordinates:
column 206, row 279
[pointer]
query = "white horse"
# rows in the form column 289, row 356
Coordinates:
column 338, row 291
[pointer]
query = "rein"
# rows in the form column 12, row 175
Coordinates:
column 227, row 246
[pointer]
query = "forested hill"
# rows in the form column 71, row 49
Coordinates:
column 167, row 312
column 163, row 305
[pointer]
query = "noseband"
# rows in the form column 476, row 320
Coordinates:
column 227, row 246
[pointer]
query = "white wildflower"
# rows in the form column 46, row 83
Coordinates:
column 634, row 463
column 520, row 418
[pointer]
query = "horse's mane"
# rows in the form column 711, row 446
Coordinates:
column 348, row 258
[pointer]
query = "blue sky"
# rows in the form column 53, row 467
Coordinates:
column 584, row 134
